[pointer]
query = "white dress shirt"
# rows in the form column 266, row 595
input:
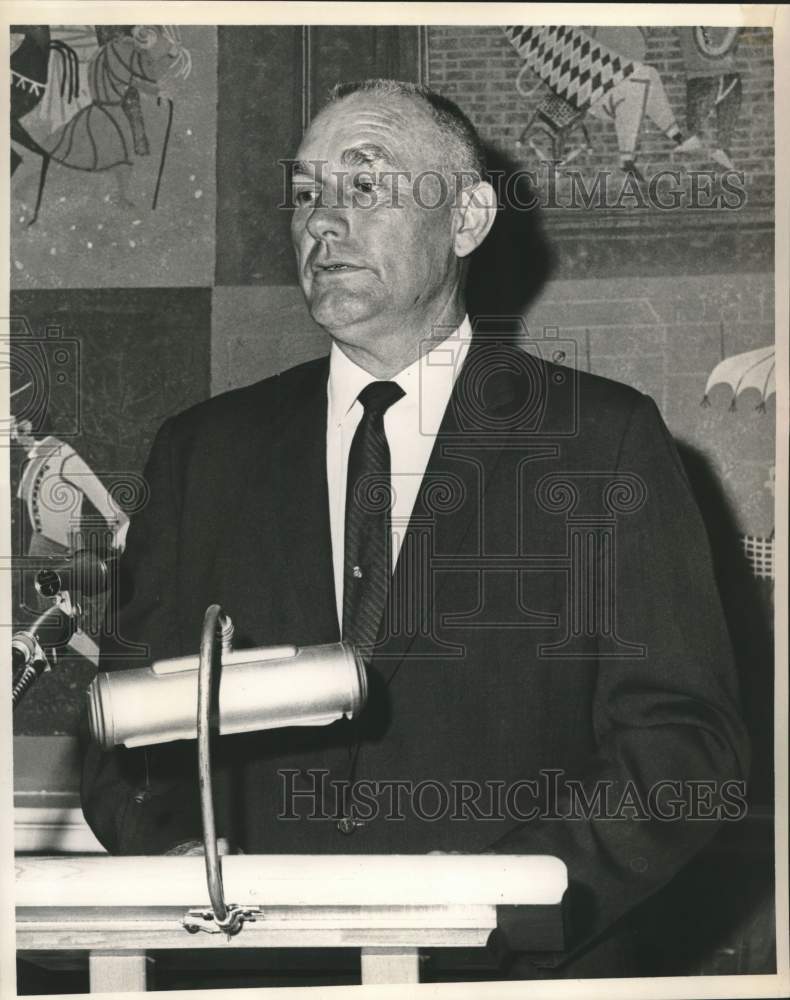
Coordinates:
column 411, row 425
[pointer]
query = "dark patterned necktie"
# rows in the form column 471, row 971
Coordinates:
column 367, row 565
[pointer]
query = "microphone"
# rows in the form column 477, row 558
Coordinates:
column 86, row 574
column 28, row 658
column 268, row 687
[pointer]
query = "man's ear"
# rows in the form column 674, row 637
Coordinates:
column 475, row 216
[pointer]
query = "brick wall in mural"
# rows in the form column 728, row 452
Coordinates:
column 643, row 99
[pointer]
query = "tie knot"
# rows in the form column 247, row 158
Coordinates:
column 378, row 397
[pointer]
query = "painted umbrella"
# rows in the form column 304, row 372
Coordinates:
column 751, row 370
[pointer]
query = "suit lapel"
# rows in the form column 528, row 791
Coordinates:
column 303, row 510
column 448, row 508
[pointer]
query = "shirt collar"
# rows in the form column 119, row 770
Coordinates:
column 425, row 377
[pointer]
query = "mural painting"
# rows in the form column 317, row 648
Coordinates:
column 112, row 159
column 602, row 72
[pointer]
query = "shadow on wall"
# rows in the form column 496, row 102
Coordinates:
column 515, row 261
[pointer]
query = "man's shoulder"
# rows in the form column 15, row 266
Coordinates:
column 607, row 394
column 541, row 383
column 256, row 405
column 603, row 410
column 562, row 398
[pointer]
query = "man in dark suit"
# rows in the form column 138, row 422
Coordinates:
column 548, row 664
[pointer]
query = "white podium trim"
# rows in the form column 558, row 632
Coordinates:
column 116, row 909
column 293, row 880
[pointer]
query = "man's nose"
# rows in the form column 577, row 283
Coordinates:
column 327, row 222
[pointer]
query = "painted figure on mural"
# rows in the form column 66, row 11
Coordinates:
column 603, row 74
column 33, row 54
column 713, row 88
column 108, row 131
column 641, row 95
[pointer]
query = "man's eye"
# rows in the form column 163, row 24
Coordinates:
column 304, row 196
column 364, row 184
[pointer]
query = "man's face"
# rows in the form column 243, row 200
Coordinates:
column 375, row 257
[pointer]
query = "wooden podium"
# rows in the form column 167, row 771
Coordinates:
column 115, row 908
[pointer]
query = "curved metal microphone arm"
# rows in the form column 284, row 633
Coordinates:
column 228, row 919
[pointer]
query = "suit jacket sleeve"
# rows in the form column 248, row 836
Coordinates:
column 669, row 716
column 144, row 801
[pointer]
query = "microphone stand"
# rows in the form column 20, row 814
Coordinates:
column 28, row 657
column 92, row 576
column 222, row 917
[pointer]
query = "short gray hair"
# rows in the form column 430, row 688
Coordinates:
column 464, row 143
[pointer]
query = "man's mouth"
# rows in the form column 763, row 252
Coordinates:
column 335, row 267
